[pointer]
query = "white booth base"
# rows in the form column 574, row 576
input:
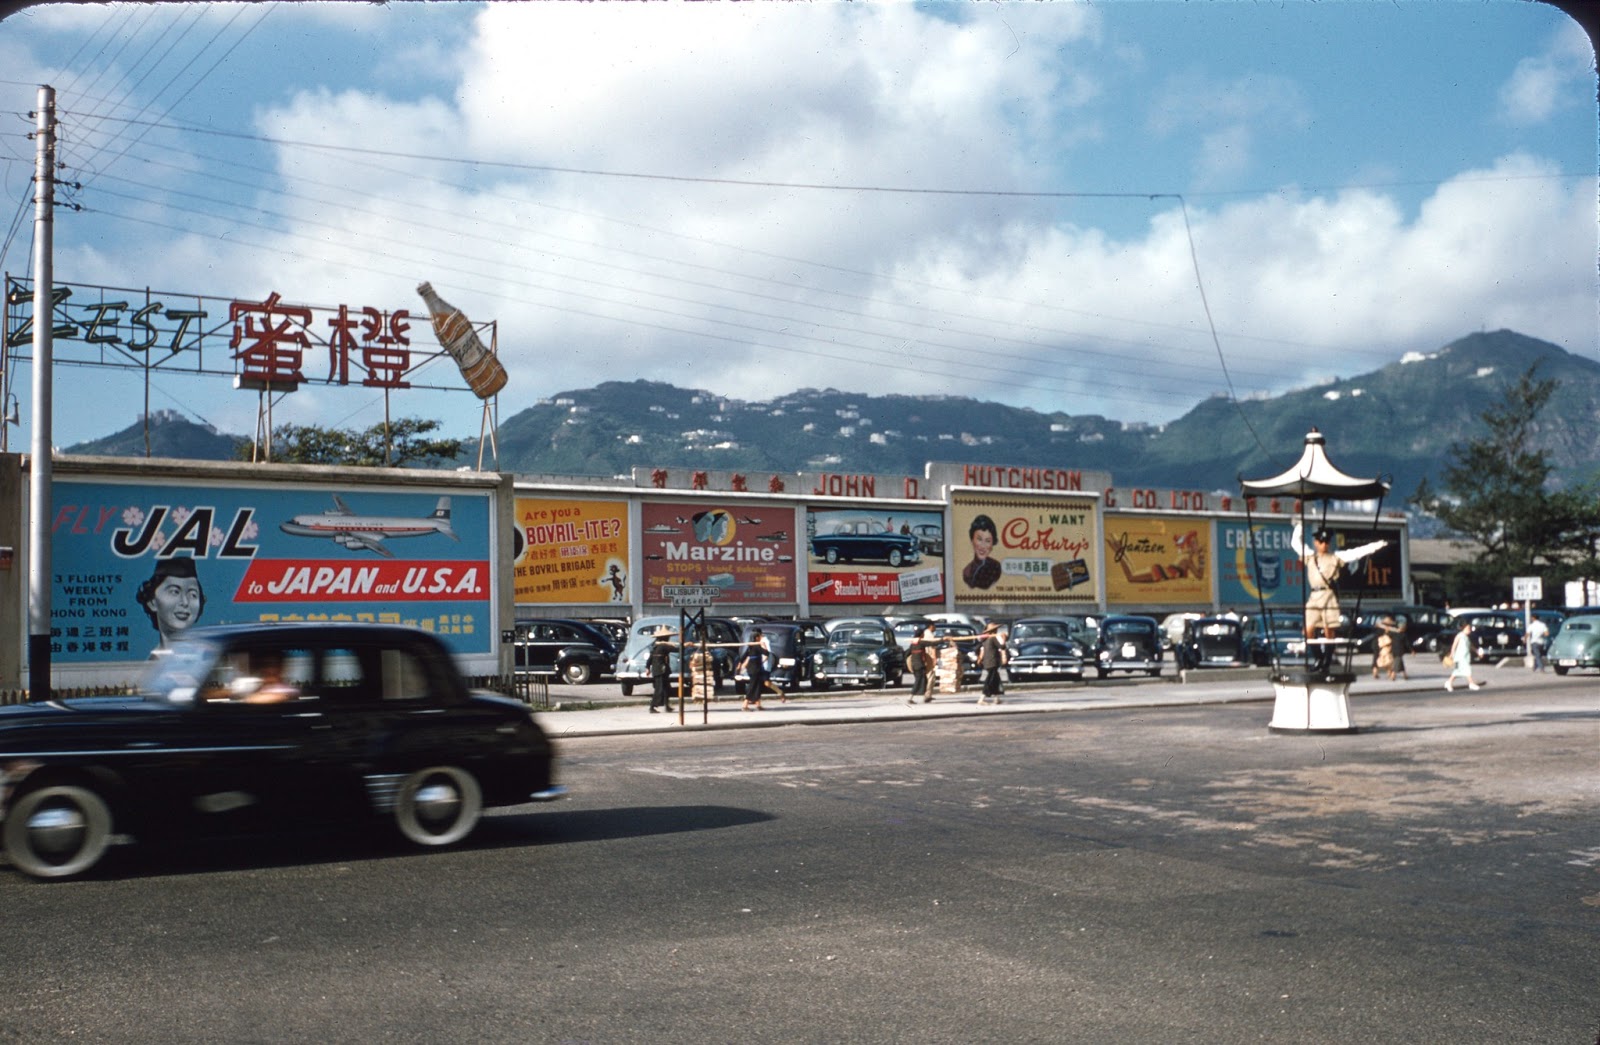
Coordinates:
column 1312, row 703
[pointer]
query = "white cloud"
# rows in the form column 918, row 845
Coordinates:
column 1560, row 78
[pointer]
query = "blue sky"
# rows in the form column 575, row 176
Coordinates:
column 709, row 194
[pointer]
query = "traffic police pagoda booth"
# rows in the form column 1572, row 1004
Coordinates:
column 1313, row 695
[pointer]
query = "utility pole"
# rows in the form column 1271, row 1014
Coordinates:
column 40, row 467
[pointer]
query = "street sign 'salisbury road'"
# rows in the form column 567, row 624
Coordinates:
column 691, row 595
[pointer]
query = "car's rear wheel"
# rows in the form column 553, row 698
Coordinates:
column 57, row 831
column 577, row 673
column 439, row 805
column 627, row 689
column 1560, row 670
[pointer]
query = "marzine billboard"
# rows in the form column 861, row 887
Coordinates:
column 136, row 564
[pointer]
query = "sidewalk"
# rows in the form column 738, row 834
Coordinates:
column 833, row 707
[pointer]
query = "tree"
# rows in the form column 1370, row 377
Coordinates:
column 395, row 444
column 1496, row 493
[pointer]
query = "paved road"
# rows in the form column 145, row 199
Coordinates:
column 1105, row 874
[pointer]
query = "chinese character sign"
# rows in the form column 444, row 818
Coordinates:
column 138, row 564
column 1023, row 549
column 1158, row 559
column 571, row 551
column 745, row 552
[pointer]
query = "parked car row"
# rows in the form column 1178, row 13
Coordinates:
column 870, row 650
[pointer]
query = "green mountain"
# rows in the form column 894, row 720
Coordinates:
column 170, row 435
column 1400, row 421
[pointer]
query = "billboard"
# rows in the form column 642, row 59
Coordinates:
column 570, row 551
column 136, row 564
column 867, row 556
column 746, row 553
column 1158, row 560
column 1275, row 576
column 1024, row 549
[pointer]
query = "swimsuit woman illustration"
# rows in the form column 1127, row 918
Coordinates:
column 1191, row 560
column 173, row 599
column 982, row 571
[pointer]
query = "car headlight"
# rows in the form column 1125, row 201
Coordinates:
column 872, row 658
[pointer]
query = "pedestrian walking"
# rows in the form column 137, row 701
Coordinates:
column 991, row 655
column 1461, row 658
column 1389, row 648
column 1538, row 641
column 660, row 665
column 753, row 661
column 920, row 659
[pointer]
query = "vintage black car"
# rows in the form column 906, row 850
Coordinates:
column 1275, row 637
column 792, row 643
column 574, row 650
column 966, row 640
column 1212, row 642
column 860, row 652
column 1496, row 634
column 1044, row 648
column 866, row 540
column 1428, row 629
column 251, row 727
column 1128, row 643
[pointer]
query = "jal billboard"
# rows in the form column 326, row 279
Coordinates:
column 137, row 564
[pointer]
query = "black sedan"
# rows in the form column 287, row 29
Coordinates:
column 575, row 650
column 1128, row 643
column 255, row 727
column 1212, row 642
column 1043, row 648
column 1496, row 634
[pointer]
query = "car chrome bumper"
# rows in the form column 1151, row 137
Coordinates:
column 549, row 794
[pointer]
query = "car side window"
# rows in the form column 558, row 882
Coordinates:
column 405, row 678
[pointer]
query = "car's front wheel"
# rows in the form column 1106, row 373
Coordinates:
column 439, row 805
column 577, row 673
column 1560, row 670
column 57, row 831
column 895, row 557
column 832, row 556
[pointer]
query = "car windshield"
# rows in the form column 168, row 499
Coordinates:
column 1043, row 630
column 779, row 640
column 1125, row 627
column 175, row 676
column 857, row 635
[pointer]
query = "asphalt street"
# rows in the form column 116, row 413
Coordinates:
column 1141, row 862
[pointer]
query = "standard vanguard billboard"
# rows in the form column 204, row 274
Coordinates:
column 136, row 564
column 861, row 556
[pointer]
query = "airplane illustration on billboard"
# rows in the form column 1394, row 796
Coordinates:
column 368, row 532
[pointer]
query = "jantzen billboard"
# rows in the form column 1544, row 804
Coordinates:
column 137, row 563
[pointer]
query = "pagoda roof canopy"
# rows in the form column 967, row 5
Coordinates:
column 1314, row 478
